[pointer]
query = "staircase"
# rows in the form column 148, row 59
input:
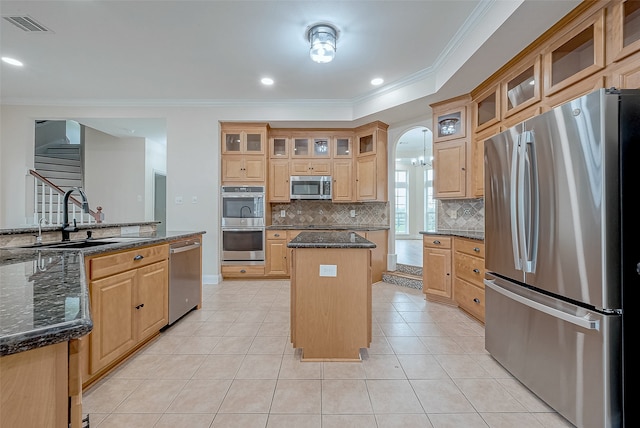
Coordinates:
column 404, row 275
column 61, row 164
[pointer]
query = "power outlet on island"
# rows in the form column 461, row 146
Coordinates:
column 328, row 270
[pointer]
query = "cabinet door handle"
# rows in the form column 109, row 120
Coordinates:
column 476, row 300
column 243, row 271
column 138, row 257
column 476, row 249
column 141, row 305
column 476, row 271
column 436, row 242
column 276, row 235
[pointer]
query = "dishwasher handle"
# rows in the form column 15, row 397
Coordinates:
column 176, row 250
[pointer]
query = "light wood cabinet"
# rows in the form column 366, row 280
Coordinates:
column 371, row 162
column 241, row 139
column 279, row 181
column 240, row 169
column 311, row 147
column 378, row 254
column 311, row 167
column 34, row 389
column 279, row 147
column 342, row 190
column 450, row 168
column 486, row 108
column 477, row 160
column 243, row 153
column 469, row 275
column 625, row 32
column 277, row 253
column 436, row 268
column 575, row 55
column 242, row 271
column 451, row 146
column 521, row 87
column 129, row 303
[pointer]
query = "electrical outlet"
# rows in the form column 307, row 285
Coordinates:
column 194, row 199
column 453, row 214
column 283, row 213
column 178, row 199
column 352, row 213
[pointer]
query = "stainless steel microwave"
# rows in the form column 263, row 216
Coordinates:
column 310, row 186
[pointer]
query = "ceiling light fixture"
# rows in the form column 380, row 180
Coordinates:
column 322, row 38
column 266, row 81
column 12, row 61
column 377, row 81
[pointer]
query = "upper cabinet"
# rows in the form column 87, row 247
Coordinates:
column 243, row 153
column 486, row 108
column 243, row 139
column 311, row 147
column 626, row 29
column 521, row 88
column 576, row 55
column 451, row 161
column 371, row 162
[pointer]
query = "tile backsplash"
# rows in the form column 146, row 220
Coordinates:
column 303, row 213
column 461, row 214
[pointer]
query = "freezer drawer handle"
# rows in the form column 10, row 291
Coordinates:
column 579, row 321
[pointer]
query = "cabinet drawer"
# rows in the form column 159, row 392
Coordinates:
column 102, row 266
column 436, row 241
column 469, row 268
column 470, row 246
column 470, row 298
column 276, row 234
column 242, row 270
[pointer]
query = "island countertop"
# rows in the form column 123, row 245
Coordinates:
column 471, row 234
column 44, row 295
column 330, row 240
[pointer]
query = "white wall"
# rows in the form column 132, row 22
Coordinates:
column 193, row 159
column 114, row 176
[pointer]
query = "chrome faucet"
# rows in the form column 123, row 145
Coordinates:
column 66, row 227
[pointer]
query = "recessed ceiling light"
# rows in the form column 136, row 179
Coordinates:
column 377, row 81
column 266, row 81
column 12, row 61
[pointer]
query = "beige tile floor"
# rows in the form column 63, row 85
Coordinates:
column 231, row 364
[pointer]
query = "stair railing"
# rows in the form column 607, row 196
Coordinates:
column 48, row 201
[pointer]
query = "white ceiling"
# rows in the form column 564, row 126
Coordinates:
column 182, row 52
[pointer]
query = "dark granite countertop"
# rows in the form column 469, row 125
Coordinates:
column 44, row 297
column 34, row 229
column 330, row 240
column 326, row 227
column 471, row 234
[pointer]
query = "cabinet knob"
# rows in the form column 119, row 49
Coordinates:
column 436, row 242
column 243, row 271
column 138, row 257
column 276, row 235
column 476, row 300
column 476, row 270
column 476, row 249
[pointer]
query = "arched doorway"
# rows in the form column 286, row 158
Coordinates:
column 414, row 209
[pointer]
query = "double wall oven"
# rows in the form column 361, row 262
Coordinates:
column 243, row 220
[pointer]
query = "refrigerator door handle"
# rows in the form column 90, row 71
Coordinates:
column 514, row 207
column 530, row 202
column 579, row 321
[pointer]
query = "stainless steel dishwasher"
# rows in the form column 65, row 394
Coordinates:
column 185, row 277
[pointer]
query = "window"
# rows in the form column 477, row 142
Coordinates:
column 429, row 202
column 402, row 188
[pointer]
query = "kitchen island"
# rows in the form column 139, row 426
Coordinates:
column 331, row 295
column 45, row 318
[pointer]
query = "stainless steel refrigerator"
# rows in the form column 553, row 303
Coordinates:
column 562, row 241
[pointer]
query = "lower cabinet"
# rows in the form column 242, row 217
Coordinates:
column 436, row 268
column 378, row 254
column 277, row 254
column 129, row 303
column 469, row 275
